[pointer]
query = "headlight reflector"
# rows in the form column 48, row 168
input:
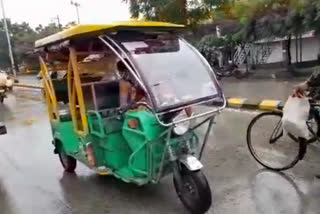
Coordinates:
column 183, row 127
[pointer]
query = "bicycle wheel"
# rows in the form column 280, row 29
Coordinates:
column 269, row 144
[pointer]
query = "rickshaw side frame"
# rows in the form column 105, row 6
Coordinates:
column 172, row 156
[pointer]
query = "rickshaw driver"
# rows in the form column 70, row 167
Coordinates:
column 129, row 91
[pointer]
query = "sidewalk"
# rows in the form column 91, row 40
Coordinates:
column 281, row 73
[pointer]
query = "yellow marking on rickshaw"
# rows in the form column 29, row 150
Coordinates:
column 269, row 104
column 103, row 173
column 75, row 94
column 50, row 95
column 236, row 102
column 98, row 29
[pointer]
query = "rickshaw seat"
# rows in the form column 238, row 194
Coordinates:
column 61, row 87
column 64, row 112
column 106, row 94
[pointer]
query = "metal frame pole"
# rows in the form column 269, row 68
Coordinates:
column 8, row 39
column 77, row 5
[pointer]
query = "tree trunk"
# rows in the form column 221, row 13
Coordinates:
column 183, row 7
column 300, row 47
column 289, row 50
column 297, row 49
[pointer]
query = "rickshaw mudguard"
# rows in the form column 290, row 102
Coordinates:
column 64, row 134
column 191, row 162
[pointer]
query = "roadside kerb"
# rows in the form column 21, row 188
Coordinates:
column 244, row 103
column 20, row 85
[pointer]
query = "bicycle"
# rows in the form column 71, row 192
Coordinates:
column 276, row 154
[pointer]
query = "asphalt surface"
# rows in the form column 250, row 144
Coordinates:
column 254, row 89
column 32, row 180
column 259, row 89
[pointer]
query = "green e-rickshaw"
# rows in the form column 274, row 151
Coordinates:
column 147, row 138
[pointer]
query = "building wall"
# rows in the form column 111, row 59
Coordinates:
column 310, row 50
column 276, row 54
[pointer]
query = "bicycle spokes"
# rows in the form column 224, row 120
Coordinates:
column 276, row 134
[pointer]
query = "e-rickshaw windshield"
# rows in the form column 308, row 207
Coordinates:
column 173, row 72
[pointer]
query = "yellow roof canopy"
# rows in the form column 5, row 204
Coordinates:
column 92, row 29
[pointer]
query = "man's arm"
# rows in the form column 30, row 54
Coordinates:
column 314, row 79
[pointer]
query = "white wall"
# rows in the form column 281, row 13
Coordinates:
column 276, row 52
column 310, row 50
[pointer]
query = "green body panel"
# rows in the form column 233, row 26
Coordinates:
column 140, row 139
column 117, row 151
column 132, row 154
column 64, row 132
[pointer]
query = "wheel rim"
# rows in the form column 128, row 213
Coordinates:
column 269, row 145
column 189, row 189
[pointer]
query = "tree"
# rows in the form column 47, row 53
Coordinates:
column 4, row 57
column 48, row 30
column 188, row 12
column 22, row 39
column 267, row 19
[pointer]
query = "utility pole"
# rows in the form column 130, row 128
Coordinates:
column 58, row 20
column 8, row 39
column 77, row 5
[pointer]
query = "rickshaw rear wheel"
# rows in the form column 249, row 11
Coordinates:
column 69, row 163
column 193, row 190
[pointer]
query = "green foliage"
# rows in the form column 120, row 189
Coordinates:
column 4, row 57
column 275, row 18
column 211, row 47
column 189, row 12
column 22, row 39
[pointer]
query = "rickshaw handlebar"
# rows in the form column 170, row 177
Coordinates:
column 197, row 115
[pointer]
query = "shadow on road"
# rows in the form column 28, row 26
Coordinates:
column 5, row 201
column 275, row 192
column 106, row 194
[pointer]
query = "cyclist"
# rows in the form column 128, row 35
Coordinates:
column 312, row 81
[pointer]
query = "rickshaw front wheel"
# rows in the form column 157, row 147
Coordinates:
column 193, row 190
column 69, row 163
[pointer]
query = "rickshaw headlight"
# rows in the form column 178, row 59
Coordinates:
column 181, row 128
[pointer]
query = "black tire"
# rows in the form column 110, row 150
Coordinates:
column 194, row 191
column 295, row 146
column 69, row 163
column 1, row 99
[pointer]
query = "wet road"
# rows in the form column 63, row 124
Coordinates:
column 259, row 89
column 33, row 182
column 256, row 89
